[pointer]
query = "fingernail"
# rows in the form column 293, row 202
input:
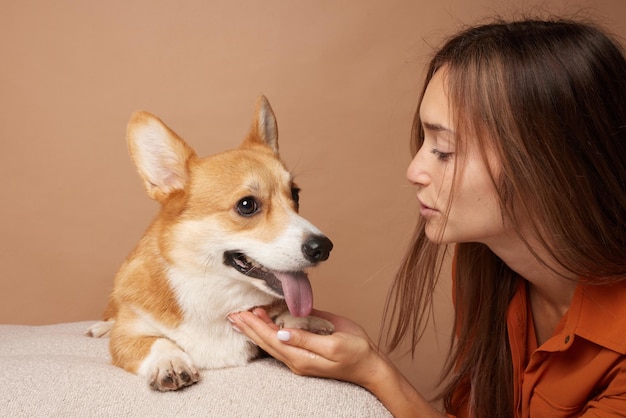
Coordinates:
column 283, row 335
column 232, row 324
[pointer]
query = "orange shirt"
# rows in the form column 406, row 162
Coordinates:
column 581, row 369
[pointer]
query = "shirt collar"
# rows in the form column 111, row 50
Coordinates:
column 598, row 314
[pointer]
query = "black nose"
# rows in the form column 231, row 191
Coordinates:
column 317, row 248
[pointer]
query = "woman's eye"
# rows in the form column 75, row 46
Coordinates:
column 441, row 156
column 247, row 206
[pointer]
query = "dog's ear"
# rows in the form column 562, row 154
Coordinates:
column 160, row 156
column 264, row 128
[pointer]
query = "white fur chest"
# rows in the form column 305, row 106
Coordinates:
column 205, row 333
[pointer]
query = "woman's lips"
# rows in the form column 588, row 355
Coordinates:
column 426, row 210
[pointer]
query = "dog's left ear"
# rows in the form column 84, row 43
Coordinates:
column 264, row 128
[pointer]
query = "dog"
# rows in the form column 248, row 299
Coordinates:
column 227, row 238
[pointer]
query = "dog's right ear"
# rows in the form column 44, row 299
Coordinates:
column 161, row 156
column 264, row 129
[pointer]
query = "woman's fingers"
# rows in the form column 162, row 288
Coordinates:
column 298, row 359
column 342, row 355
column 262, row 313
column 259, row 327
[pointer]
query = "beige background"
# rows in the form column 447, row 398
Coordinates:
column 342, row 77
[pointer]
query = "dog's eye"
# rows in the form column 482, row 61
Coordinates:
column 295, row 195
column 247, row 206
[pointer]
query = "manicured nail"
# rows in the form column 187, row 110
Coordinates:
column 283, row 335
column 232, row 324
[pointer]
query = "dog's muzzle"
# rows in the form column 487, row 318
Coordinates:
column 293, row 286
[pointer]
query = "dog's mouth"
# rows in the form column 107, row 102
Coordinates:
column 293, row 286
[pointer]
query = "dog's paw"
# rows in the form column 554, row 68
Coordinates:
column 320, row 326
column 173, row 375
column 167, row 367
column 100, row 329
column 309, row 323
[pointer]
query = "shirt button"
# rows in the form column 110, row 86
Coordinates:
column 567, row 339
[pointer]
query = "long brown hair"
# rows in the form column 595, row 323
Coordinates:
column 549, row 98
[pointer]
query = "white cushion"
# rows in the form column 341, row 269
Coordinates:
column 54, row 370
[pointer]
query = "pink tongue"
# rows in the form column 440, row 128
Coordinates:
column 297, row 291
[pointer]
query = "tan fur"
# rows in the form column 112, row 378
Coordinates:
column 167, row 313
column 128, row 350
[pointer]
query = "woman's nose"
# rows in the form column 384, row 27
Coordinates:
column 416, row 173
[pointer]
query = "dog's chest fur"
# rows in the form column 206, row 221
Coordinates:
column 204, row 301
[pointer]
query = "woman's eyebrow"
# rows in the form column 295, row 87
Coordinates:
column 436, row 127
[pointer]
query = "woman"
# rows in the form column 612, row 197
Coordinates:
column 520, row 144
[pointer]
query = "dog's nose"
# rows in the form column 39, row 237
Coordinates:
column 317, row 248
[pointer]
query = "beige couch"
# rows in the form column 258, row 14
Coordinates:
column 54, row 370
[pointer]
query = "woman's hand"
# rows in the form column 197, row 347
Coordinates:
column 348, row 354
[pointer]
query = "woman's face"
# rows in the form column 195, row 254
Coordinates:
column 474, row 214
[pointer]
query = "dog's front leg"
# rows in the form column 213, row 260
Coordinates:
column 167, row 367
column 157, row 359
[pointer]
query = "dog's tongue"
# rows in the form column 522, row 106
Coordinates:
column 297, row 291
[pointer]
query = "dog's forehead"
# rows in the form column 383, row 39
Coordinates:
column 249, row 169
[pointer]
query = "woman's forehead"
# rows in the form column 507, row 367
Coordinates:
column 435, row 111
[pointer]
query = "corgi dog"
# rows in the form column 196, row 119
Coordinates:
column 227, row 238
